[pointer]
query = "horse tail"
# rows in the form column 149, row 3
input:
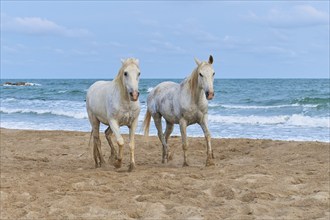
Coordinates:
column 146, row 124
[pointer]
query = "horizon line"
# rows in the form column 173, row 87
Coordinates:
column 184, row 78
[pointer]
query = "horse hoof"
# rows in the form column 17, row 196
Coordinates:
column 170, row 157
column 117, row 163
column 112, row 159
column 185, row 164
column 131, row 167
column 209, row 162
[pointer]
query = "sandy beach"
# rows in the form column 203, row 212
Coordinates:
column 51, row 175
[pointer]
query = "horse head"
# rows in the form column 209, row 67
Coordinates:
column 206, row 77
column 130, row 77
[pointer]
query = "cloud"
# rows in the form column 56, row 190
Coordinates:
column 14, row 48
column 296, row 17
column 167, row 46
column 39, row 26
column 148, row 22
column 114, row 44
column 73, row 52
column 276, row 50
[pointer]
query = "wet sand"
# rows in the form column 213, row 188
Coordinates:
column 51, row 175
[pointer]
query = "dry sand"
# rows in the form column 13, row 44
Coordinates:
column 51, row 175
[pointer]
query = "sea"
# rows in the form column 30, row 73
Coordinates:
column 278, row 109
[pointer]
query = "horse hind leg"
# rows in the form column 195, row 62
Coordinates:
column 98, row 157
column 168, row 131
column 158, row 123
column 97, row 153
column 113, row 157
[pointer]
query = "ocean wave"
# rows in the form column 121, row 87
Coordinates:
column 291, row 120
column 259, row 106
column 38, row 101
column 311, row 100
column 23, row 84
column 150, row 89
column 71, row 114
column 71, row 92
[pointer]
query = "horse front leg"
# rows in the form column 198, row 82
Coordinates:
column 132, row 129
column 120, row 141
column 113, row 155
column 183, row 130
column 209, row 152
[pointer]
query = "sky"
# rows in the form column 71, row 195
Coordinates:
column 88, row 39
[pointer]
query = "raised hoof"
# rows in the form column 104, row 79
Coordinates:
column 98, row 164
column 185, row 164
column 112, row 159
column 170, row 156
column 209, row 162
column 131, row 167
column 117, row 163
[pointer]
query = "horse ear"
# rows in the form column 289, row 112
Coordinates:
column 137, row 61
column 210, row 59
column 122, row 61
column 197, row 61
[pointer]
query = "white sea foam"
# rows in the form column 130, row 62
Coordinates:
column 292, row 120
column 259, row 106
column 32, row 84
column 73, row 109
column 150, row 89
column 72, row 114
column 26, row 84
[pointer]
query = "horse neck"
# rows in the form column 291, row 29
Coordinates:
column 120, row 85
column 193, row 87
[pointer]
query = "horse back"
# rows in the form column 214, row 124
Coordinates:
column 97, row 99
column 164, row 99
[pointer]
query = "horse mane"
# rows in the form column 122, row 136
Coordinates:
column 119, row 78
column 192, row 80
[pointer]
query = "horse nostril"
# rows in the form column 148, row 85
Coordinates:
column 131, row 94
column 207, row 94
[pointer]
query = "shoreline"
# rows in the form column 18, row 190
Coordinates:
column 174, row 135
column 51, row 174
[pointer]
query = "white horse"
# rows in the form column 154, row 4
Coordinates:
column 185, row 104
column 115, row 103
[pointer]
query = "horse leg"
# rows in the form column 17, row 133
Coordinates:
column 132, row 129
column 168, row 131
column 209, row 152
column 158, row 123
column 120, row 141
column 113, row 155
column 183, row 130
column 98, row 157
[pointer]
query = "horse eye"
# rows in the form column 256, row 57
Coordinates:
column 213, row 73
column 200, row 75
column 125, row 73
column 139, row 74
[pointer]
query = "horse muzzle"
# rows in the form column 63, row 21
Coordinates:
column 209, row 95
column 134, row 96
